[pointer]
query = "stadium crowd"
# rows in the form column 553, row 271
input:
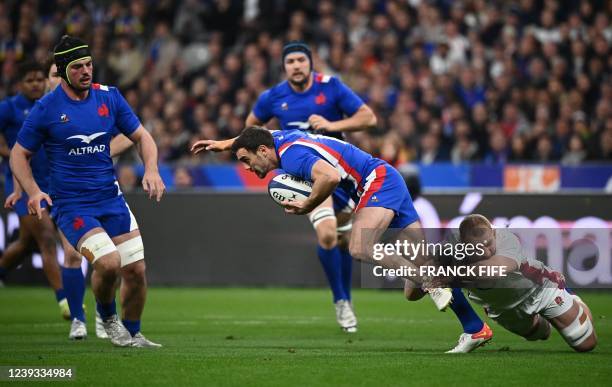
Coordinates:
column 473, row 80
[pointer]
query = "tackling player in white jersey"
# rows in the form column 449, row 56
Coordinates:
column 530, row 297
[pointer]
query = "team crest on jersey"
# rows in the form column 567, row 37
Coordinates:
column 374, row 199
column 284, row 106
column 559, row 300
column 64, row 118
column 103, row 110
column 320, row 99
column 78, row 223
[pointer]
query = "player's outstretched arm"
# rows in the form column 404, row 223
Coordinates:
column 223, row 145
column 119, row 144
column 20, row 166
column 325, row 179
column 363, row 119
column 151, row 181
column 212, row 145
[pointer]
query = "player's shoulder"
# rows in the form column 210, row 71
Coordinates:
column 287, row 135
column 277, row 91
column 102, row 88
column 105, row 91
column 507, row 243
column 51, row 99
column 325, row 79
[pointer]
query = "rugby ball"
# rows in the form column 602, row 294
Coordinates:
column 285, row 187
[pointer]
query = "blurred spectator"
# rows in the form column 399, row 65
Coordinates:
column 530, row 79
column 182, row 178
column 576, row 152
column 126, row 176
column 498, row 148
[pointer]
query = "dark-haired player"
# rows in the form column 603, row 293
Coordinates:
column 312, row 101
column 32, row 231
column 75, row 124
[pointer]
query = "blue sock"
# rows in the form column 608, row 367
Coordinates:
column 60, row 294
column 347, row 272
column 133, row 326
column 106, row 310
column 3, row 272
column 74, row 288
column 332, row 265
column 470, row 321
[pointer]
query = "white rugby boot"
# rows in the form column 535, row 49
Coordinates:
column 78, row 330
column 470, row 341
column 100, row 332
column 117, row 333
column 139, row 341
column 345, row 316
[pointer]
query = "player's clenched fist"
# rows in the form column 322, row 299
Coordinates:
column 153, row 184
column 317, row 122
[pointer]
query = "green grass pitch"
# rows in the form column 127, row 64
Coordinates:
column 288, row 337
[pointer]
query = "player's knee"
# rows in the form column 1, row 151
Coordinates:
column 358, row 252
column 72, row 258
column 327, row 240
column 134, row 273
column 588, row 345
column 324, row 222
column 108, row 267
column 540, row 330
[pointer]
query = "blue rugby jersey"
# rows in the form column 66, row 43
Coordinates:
column 13, row 111
column 76, row 136
column 299, row 151
column 327, row 97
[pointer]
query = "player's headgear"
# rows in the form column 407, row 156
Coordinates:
column 68, row 51
column 296, row 46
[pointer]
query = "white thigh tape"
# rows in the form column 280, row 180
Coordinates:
column 345, row 228
column 96, row 246
column 131, row 251
column 320, row 215
column 578, row 331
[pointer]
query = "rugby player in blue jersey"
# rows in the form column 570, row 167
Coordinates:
column 312, row 101
column 72, row 276
column 75, row 123
column 13, row 112
column 383, row 201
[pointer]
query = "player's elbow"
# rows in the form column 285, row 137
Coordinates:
column 369, row 118
column 333, row 178
column 372, row 121
column 18, row 155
